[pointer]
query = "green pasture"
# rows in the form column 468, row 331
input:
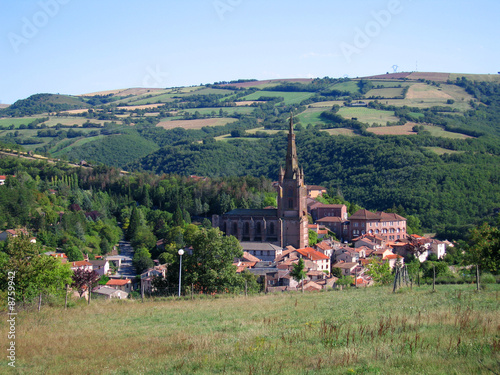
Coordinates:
column 368, row 115
column 289, row 97
column 355, row 331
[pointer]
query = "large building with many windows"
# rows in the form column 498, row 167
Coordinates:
column 389, row 226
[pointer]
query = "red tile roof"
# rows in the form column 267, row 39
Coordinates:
column 81, row 263
column 312, row 254
column 119, row 282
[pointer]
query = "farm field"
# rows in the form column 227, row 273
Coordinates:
column 358, row 331
column 68, row 145
column 195, row 124
column 476, row 77
column 69, row 121
column 442, row 151
column 290, row 97
column 17, row 121
column 328, row 104
column 341, row 131
column 351, row 86
column 394, row 130
column 392, row 92
column 312, row 116
column 368, row 115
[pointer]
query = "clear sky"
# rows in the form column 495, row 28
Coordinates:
column 83, row 46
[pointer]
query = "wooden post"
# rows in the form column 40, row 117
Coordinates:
column 142, row 291
column 477, row 277
column 356, row 278
column 394, row 287
column 39, row 301
column 418, row 277
column 433, row 278
column 192, row 291
column 246, row 288
column 66, row 298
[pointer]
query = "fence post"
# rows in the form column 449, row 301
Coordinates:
column 66, row 298
column 433, row 278
column 395, row 280
column 477, row 277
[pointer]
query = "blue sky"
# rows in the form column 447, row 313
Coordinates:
column 76, row 46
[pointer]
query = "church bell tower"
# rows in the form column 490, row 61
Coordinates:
column 292, row 193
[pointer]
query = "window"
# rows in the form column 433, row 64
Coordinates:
column 290, row 203
column 355, row 225
column 290, row 192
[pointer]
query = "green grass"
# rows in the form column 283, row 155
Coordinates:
column 477, row 77
column 17, row 121
column 368, row 115
column 385, row 92
column 341, row 131
column 437, row 131
column 289, row 97
column 312, row 116
column 363, row 331
column 442, row 151
column 351, row 86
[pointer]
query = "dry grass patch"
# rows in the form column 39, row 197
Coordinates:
column 394, row 130
column 195, row 124
column 145, row 106
column 424, row 91
column 341, row 131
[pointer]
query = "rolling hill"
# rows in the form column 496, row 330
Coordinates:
column 426, row 122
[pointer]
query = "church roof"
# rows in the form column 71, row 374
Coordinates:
column 253, row 212
column 258, row 246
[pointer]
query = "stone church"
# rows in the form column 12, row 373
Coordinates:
column 286, row 225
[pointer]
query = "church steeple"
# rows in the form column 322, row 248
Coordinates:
column 292, row 163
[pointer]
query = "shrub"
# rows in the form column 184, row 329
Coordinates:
column 487, row 278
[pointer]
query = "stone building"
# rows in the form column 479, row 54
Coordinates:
column 286, row 225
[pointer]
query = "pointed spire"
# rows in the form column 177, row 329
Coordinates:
column 292, row 164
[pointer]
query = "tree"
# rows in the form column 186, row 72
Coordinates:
column 483, row 248
column 210, row 267
column 84, row 280
column 380, row 272
column 345, row 281
column 313, row 238
column 73, row 253
column 298, row 272
column 35, row 273
column 142, row 260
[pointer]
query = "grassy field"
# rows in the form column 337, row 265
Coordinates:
column 351, row 86
column 368, row 115
column 290, row 97
column 363, row 331
column 312, row 116
column 195, row 124
column 477, row 77
column 442, row 151
column 390, row 92
column 406, row 129
column 341, row 131
column 17, row 121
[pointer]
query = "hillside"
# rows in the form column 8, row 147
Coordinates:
column 438, row 131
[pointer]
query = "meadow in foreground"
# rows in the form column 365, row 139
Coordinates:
column 361, row 331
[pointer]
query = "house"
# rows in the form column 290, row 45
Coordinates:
column 148, row 276
column 324, row 247
column 110, row 293
column 348, row 255
column 2, row 179
column 321, row 260
column 100, row 266
column 388, row 226
column 61, row 256
column 393, row 259
column 438, row 248
column 314, row 191
column 262, row 250
column 336, row 225
column 82, row 264
column 347, row 268
column 320, row 211
column 14, row 233
column 120, row 284
column 369, row 240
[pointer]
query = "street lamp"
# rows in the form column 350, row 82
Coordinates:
column 181, row 253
